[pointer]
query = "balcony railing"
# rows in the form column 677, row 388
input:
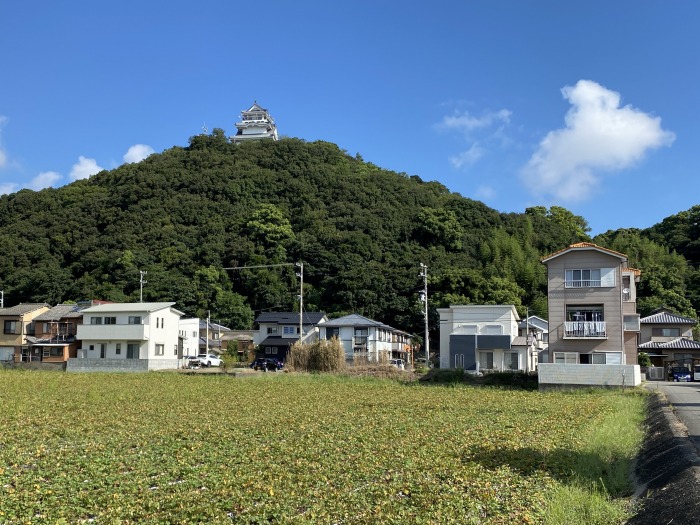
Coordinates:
column 582, row 329
column 583, row 284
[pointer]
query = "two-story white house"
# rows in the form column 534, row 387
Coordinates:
column 188, row 330
column 366, row 340
column 279, row 330
column 128, row 337
column 480, row 338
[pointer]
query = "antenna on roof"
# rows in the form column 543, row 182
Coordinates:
column 204, row 128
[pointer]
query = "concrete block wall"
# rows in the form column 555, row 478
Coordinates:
column 107, row 365
column 559, row 375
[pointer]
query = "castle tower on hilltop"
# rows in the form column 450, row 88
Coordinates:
column 256, row 123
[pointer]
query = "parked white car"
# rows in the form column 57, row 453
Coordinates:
column 398, row 363
column 209, row 360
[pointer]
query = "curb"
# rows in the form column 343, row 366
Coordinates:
column 667, row 470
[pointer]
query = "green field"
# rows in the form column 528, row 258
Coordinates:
column 172, row 448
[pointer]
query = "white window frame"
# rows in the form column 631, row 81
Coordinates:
column 484, row 357
column 568, row 358
column 160, row 349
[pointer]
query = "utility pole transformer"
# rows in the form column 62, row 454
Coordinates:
column 424, row 299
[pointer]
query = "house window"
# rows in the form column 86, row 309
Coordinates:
column 95, row 320
column 118, row 351
column 361, row 336
column 92, row 347
column 110, row 320
column 102, row 350
column 493, row 329
column 585, row 321
column 592, row 359
column 132, row 351
column 566, row 358
column 583, row 278
column 288, row 330
column 175, row 353
column 10, row 327
column 486, row 360
column 46, row 352
column 332, row 332
column 134, row 319
column 272, row 329
column 160, row 349
column 271, row 350
column 157, row 322
column 510, row 360
column 666, row 332
column 631, row 322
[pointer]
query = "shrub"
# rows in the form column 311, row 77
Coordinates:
column 321, row 356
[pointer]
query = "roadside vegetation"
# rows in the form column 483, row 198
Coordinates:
column 309, row 448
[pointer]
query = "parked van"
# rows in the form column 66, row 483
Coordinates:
column 696, row 373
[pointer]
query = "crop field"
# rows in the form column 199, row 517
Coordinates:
column 279, row 448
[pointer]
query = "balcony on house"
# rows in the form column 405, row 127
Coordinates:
column 585, row 329
column 135, row 332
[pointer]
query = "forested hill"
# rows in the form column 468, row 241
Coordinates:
column 187, row 214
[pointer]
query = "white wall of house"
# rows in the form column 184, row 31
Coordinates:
column 476, row 319
column 188, row 329
column 130, row 330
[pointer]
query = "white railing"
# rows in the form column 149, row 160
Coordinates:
column 590, row 283
column 584, row 329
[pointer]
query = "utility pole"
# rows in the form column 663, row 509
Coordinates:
column 424, row 299
column 142, row 281
column 208, row 318
column 300, row 265
column 2, row 298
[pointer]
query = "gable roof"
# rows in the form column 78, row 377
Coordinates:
column 582, row 246
column 290, row 317
column 22, row 309
column 129, row 307
column 678, row 343
column 357, row 320
column 61, row 311
column 664, row 316
column 536, row 322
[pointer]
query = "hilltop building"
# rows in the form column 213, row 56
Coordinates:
column 256, row 124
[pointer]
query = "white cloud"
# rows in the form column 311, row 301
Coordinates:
column 8, row 187
column 477, row 131
column 468, row 157
column 44, row 180
column 466, row 123
column 599, row 137
column 138, row 152
column 485, row 192
column 84, row 168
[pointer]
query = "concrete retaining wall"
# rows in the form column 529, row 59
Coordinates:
column 119, row 365
column 554, row 375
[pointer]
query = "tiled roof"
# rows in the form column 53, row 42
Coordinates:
column 61, row 311
column 22, row 309
column 278, row 341
column 212, row 326
column 290, row 317
column 666, row 317
column 681, row 343
column 584, row 246
column 519, row 340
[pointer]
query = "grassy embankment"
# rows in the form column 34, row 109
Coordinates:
column 148, row 448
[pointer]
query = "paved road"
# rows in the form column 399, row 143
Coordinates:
column 684, row 398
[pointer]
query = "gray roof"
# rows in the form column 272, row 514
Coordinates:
column 682, row 343
column 212, row 326
column 22, row 309
column 666, row 317
column 61, row 311
column 519, row 340
column 536, row 322
column 357, row 320
column 128, row 307
column 290, row 317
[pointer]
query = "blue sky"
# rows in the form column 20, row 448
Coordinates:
column 587, row 105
